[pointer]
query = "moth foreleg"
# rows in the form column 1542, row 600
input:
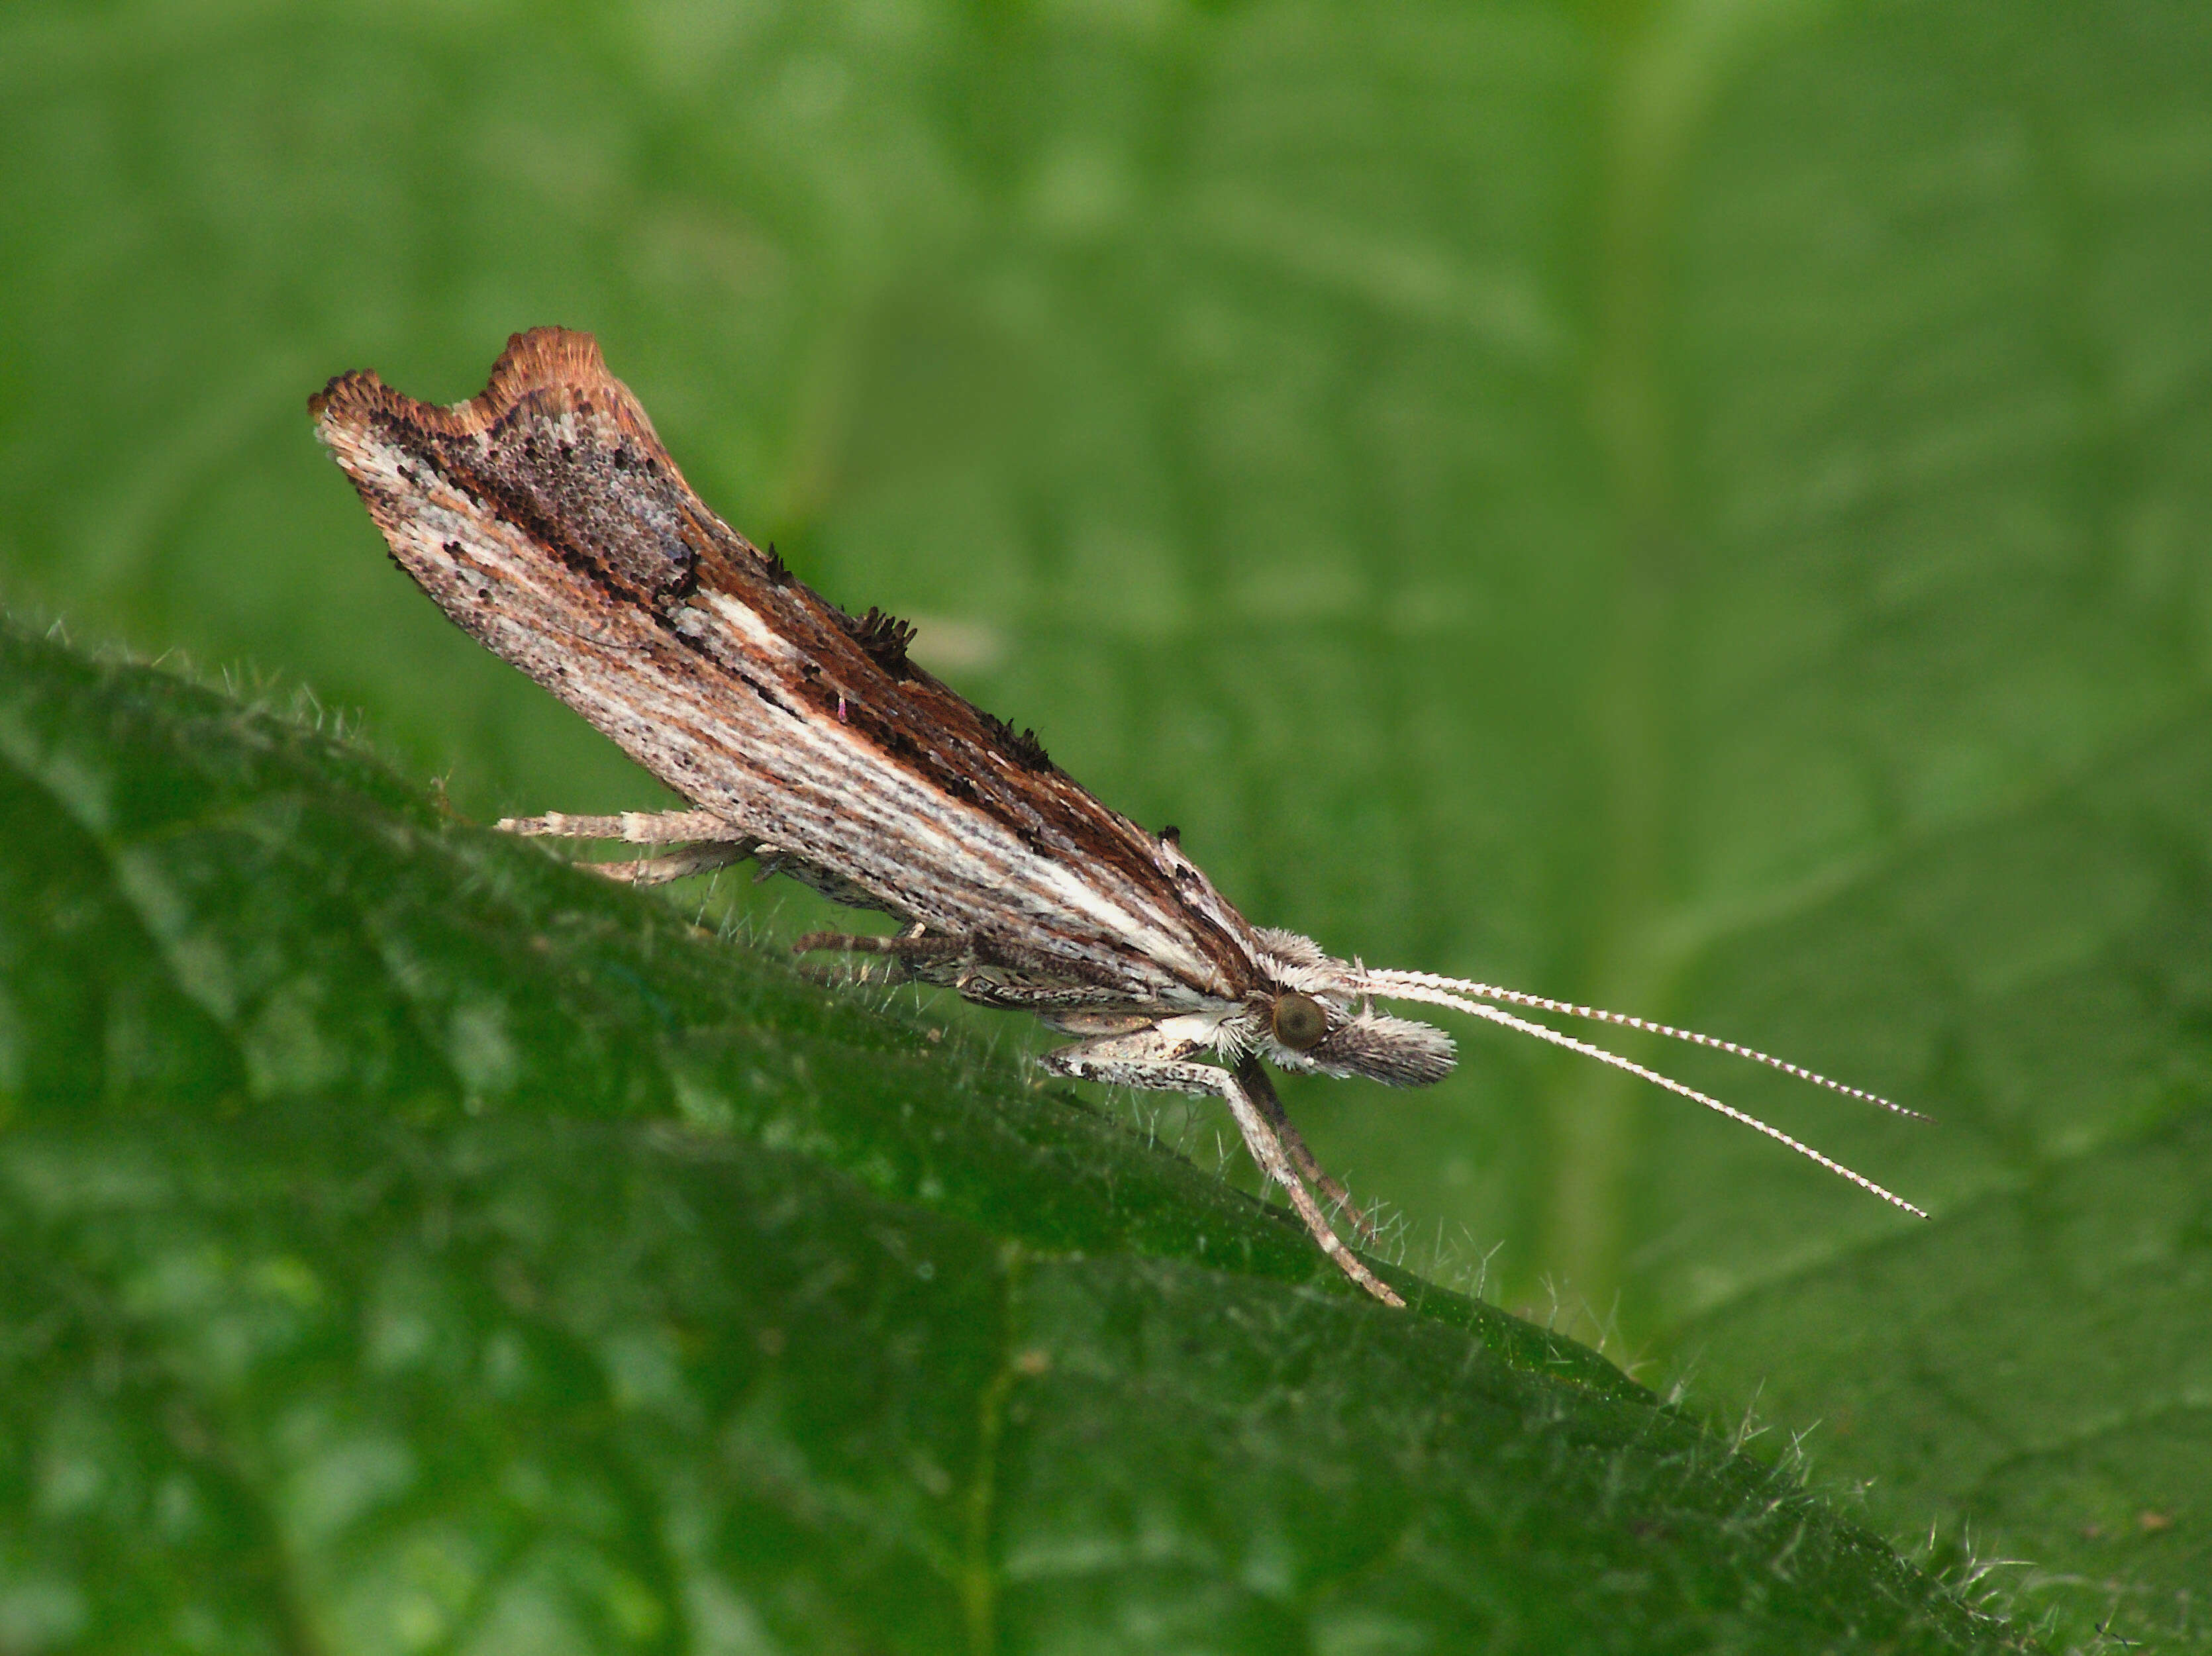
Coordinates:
column 1153, row 1061
column 1263, row 1095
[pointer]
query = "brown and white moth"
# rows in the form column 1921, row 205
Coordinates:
column 545, row 518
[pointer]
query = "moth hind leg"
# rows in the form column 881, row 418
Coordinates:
column 911, row 945
column 701, row 840
column 1155, row 1063
column 918, row 954
column 683, row 861
column 636, row 828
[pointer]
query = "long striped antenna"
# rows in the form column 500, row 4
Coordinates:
column 1401, row 985
column 1457, row 993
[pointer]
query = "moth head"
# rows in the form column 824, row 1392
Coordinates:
column 1302, row 1032
column 1313, row 1017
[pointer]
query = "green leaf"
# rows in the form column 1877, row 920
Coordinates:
column 1692, row 505
column 2033, row 1369
column 409, row 1241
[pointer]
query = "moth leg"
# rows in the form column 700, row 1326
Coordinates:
column 683, row 860
column 703, row 840
column 914, row 954
column 1151, row 1060
column 1263, row 1095
column 913, row 944
column 636, row 828
column 1051, row 1001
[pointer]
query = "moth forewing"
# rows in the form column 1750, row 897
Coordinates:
column 545, row 517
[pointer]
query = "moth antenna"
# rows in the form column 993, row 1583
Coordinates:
column 1435, row 995
column 1390, row 984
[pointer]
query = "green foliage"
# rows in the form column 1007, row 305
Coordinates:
column 411, row 1242
column 1697, row 506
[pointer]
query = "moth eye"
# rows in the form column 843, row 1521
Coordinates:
column 1299, row 1020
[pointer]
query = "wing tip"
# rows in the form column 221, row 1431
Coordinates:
column 537, row 360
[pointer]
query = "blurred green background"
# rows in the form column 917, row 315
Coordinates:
column 1697, row 507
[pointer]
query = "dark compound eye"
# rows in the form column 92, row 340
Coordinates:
column 1299, row 1021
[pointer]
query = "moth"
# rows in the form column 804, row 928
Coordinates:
column 545, row 517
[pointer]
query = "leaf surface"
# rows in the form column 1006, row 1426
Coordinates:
column 410, row 1241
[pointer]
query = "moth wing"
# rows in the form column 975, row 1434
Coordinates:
column 547, row 521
